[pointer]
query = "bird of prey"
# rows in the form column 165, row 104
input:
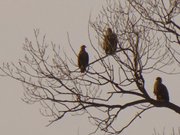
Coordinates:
column 83, row 59
column 160, row 90
column 110, row 42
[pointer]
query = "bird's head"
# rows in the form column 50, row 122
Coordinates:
column 159, row 79
column 83, row 47
column 109, row 30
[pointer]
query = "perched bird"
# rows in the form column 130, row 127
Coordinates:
column 83, row 59
column 110, row 42
column 160, row 90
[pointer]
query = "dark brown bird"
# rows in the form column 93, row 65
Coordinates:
column 83, row 59
column 160, row 90
column 110, row 42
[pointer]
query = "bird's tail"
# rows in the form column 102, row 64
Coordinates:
column 83, row 69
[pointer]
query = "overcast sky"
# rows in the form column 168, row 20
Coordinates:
column 55, row 18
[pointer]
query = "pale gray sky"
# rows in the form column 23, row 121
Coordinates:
column 55, row 18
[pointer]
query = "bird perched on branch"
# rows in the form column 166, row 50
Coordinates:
column 160, row 90
column 110, row 42
column 83, row 59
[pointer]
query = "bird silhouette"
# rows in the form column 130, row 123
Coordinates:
column 83, row 59
column 160, row 90
column 110, row 42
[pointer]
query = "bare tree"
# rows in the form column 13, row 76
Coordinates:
column 163, row 17
column 113, row 83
